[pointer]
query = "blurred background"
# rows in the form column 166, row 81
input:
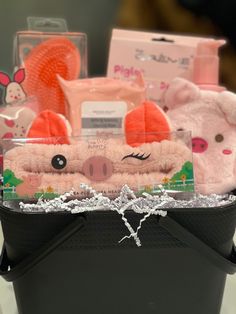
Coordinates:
column 98, row 17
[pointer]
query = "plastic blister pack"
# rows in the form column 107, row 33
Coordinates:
column 46, row 52
column 47, row 168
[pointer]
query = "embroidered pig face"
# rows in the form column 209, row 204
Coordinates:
column 33, row 180
column 29, row 186
column 13, row 91
column 211, row 117
column 106, row 166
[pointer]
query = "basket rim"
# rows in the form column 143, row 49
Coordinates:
column 193, row 210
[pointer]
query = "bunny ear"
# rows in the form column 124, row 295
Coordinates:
column 4, row 79
column 146, row 124
column 19, row 76
column 51, row 127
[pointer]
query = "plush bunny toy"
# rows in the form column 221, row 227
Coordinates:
column 14, row 91
column 211, row 116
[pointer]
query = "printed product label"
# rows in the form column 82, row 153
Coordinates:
column 102, row 116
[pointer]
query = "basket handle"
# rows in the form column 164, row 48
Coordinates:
column 226, row 265
column 40, row 254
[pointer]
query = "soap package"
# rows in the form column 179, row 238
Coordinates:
column 99, row 105
column 105, row 163
column 46, row 50
column 158, row 57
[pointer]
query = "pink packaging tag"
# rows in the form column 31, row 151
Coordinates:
column 159, row 57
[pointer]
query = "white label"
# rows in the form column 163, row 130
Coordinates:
column 102, row 116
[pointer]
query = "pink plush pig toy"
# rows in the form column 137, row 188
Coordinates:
column 211, row 116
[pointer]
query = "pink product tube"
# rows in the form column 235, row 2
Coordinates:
column 206, row 65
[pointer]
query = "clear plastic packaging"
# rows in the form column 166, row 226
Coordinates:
column 48, row 168
column 27, row 41
column 46, row 54
column 15, row 120
column 16, row 117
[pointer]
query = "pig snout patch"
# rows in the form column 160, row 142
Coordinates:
column 199, row 145
column 97, row 168
column 227, row 151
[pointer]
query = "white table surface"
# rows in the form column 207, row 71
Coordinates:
column 8, row 304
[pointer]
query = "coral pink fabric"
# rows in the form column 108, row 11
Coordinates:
column 211, row 116
column 156, row 161
column 146, row 124
column 49, row 124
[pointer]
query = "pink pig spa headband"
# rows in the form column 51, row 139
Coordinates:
column 106, row 165
column 47, row 169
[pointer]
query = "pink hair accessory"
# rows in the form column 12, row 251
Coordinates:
column 105, row 165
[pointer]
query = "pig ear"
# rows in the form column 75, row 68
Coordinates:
column 179, row 92
column 227, row 103
column 4, row 79
column 146, row 123
column 19, row 76
column 49, row 124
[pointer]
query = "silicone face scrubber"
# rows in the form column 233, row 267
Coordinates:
column 52, row 57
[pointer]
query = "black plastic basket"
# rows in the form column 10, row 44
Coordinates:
column 62, row 263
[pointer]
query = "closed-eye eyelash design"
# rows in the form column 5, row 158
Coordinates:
column 137, row 156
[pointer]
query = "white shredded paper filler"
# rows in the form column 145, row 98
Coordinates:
column 146, row 204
